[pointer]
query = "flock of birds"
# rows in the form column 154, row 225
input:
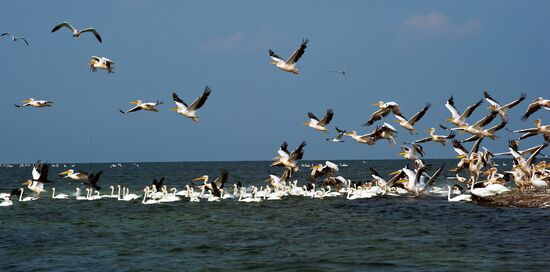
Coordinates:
column 475, row 175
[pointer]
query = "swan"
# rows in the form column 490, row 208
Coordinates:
column 59, row 196
column 25, row 199
column 78, row 196
column 148, row 201
column 458, row 198
column 6, row 203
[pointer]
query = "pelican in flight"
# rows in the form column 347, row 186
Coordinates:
column 35, row 103
column 489, row 133
column 190, row 111
column 477, row 128
column 383, row 111
column 535, row 106
column 412, row 153
column 460, row 119
column 74, row 175
column 342, row 72
column 77, row 32
column 39, row 177
column 338, row 138
column 101, row 63
column 501, row 110
column 15, row 38
column 317, row 124
column 149, row 106
column 409, row 124
column 217, row 184
column 385, row 131
column 289, row 159
column 538, row 129
column 442, row 139
column 92, row 180
column 290, row 64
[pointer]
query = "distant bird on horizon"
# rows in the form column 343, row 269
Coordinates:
column 290, row 64
column 148, row 106
column 76, row 32
column 317, row 124
column 342, row 72
column 101, row 63
column 15, row 38
column 190, row 111
column 34, row 103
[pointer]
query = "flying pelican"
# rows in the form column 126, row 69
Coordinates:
column 338, row 138
column 489, row 133
column 35, row 103
column 80, row 175
column 39, row 177
column 219, row 182
column 477, row 128
column 101, row 63
column 368, row 138
column 289, row 159
column 409, row 124
column 290, row 64
column 190, row 111
column 501, row 110
column 435, row 138
column 77, row 32
column 535, row 106
column 525, row 164
column 149, row 106
column 538, row 129
column 342, row 72
column 410, row 153
column 15, row 38
column 319, row 170
column 92, row 180
column 514, row 144
column 317, row 124
column 460, row 119
column 383, row 111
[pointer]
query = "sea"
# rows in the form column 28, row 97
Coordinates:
column 425, row 233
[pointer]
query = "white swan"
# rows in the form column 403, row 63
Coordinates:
column 59, row 196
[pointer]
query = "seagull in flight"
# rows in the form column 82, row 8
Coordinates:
column 76, row 32
column 342, row 72
column 15, row 38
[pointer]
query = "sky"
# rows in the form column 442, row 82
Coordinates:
column 411, row 52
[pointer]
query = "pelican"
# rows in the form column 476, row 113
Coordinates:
column 409, row 124
column 442, row 139
column 489, row 133
column 383, row 110
column 386, row 131
column 149, row 106
column 535, row 106
column 317, row 124
column 80, row 175
column 410, row 153
column 477, row 127
column 76, row 32
column 290, row 64
column 289, row 159
column 35, row 103
column 39, row 177
column 342, row 72
column 514, row 144
column 15, row 38
column 101, row 63
column 501, row 110
column 338, row 138
column 190, row 111
column 319, row 170
column 460, row 119
column 217, row 184
column 538, row 129
column 92, row 180
column 368, row 138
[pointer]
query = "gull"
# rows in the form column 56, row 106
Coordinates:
column 34, row 103
column 338, row 138
column 149, row 106
column 317, row 124
column 77, row 32
column 290, row 64
column 190, row 111
column 342, row 72
column 15, row 38
column 101, row 63
column 501, row 110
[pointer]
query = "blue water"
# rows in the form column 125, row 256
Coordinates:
column 384, row 233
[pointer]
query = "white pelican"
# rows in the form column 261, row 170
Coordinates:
column 409, row 124
column 386, row 131
column 149, row 106
column 460, row 119
column 190, row 111
column 501, row 110
column 442, row 139
column 477, row 127
column 92, row 180
column 538, row 129
column 39, row 177
column 317, row 124
column 58, row 196
column 15, row 38
column 535, row 106
column 289, row 159
column 383, row 111
column 412, row 153
column 80, row 175
column 368, row 138
column 338, row 138
column 35, row 103
column 102, row 63
column 487, row 133
column 217, row 184
column 319, row 170
column 290, row 64
column 77, row 32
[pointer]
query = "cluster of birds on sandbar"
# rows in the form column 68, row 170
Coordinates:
column 475, row 176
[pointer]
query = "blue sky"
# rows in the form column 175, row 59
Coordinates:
column 411, row 52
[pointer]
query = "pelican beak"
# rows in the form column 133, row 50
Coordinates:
column 306, row 123
column 26, row 101
column 199, row 178
column 134, row 102
column 64, row 173
column 396, row 121
column 395, row 172
column 460, row 157
column 27, row 182
column 375, row 104
column 174, row 109
column 402, row 153
column 273, row 62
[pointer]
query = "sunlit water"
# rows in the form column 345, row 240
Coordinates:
column 296, row 233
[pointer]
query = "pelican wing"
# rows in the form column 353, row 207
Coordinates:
column 298, row 53
column 63, row 24
column 313, row 117
column 327, row 118
column 136, row 108
column 450, row 105
column 485, row 120
column 419, row 114
column 197, row 104
column 283, row 150
column 459, row 148
column 535, row 153
column 298, row 153
column 90, row 29
column 491, row 100
column 178, row 101
column 515, row 102
column 469, row 110
column 275, row 57
column 497, row 127
column 423, row 140
column 220, row 181
column 36, row 170
column 533, row 107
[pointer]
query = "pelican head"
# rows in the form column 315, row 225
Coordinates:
column 203, row 178
column 351, row 133
column 28, row 100
column 430, row 130
column 492, row 107
column 68, row 172
column 379, row 103
column 537, row 122
column 195, row 119
column 295, row 71
column 27, row 182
